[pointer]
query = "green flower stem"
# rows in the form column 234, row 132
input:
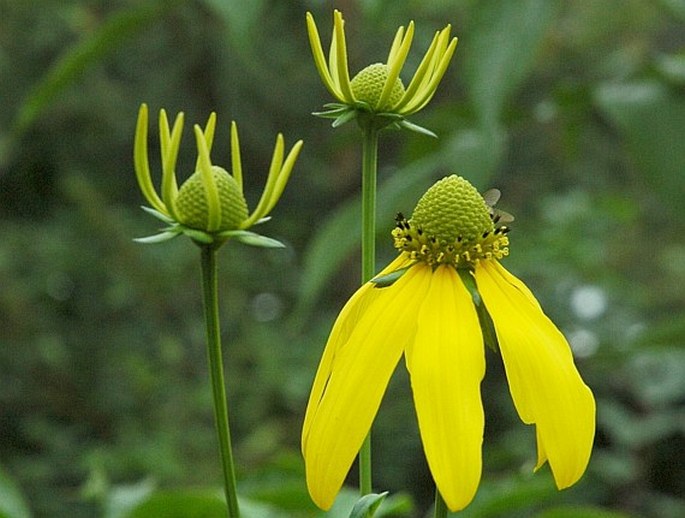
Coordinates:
column 216, row 373
column 369, row 173
column 440, row 506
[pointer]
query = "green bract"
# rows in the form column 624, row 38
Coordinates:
column 210, row 206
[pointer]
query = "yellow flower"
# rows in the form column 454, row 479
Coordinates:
column 378, row 89
column 426, row 306
column 209, row 206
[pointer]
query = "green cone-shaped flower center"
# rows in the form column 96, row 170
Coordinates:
column 452, row 208
column 368, row 85
column 451, row 224
column 191, row 203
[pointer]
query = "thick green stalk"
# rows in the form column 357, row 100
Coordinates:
column 440, row 506
column 369, row 173
column 216, row 373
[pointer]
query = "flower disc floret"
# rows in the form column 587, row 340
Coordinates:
column 192, row 207
column 451, row 224
column 367, row 86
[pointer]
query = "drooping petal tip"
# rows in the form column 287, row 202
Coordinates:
column 543, row 380
column 446, row 363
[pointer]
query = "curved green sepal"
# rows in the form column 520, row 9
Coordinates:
column 484, row 318
column 198, row 236
column 262, row 220
column 367, row 505
column 251, row 238
column 158, row 215
column 158, row 238
column 383, row 281
column 332, row 111
column 344, row 118
column 405, row 124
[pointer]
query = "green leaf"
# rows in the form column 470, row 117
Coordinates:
column 77, row 59
column 503, row 41
column 367, row 505
column 395, row 505
column 121, row 500
column 181, row 504
column 486, row 325
column 12, row 503
column 383, row 281
column 570, row 511
column 652, row 121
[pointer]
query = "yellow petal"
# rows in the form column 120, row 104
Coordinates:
column 339, row 50
column 446, row 364
column 142, row 165
column 362, row 352
column 545, row 385
column 320, row 60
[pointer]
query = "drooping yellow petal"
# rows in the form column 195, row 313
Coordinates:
column 446, row 363
column 545, row 385
column 362, row 352
column 343, row 327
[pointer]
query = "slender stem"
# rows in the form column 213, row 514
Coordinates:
column 216, row 373
column 369, row 173
column 440, row 506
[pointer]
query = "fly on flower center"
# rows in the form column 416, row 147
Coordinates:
column 192, row 206
column 451, row 224
column 367, row 86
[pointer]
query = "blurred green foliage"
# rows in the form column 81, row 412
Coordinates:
column 575, row 110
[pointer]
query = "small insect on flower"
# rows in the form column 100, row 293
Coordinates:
column 491, row 197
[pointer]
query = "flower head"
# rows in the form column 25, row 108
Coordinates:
column 377, row 90
column 428, row 305
column 209, row 206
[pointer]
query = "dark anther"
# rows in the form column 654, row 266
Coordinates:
column 419, row 231
column 504, row 230
column 495, row 217
column 486, row 233
column 459, row 238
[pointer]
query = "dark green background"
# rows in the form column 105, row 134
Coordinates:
column 575, row 110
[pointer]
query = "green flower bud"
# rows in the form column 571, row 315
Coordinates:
column 368, row 85
column 192, row 207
